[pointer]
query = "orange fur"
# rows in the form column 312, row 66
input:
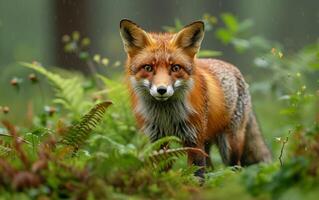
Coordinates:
column 206, row 84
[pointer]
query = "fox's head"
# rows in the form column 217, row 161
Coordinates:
column 160, row 65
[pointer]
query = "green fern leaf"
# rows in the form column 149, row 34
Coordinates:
column 166, row 157
column 79, row 133
column 68, row 91
column 4, row 151
column 158, row 144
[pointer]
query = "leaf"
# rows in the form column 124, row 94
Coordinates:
column 240, row 44
column 224, row 35
column 245, row 25
column 230, row 22
column 157, row 158
column 79, row 132
column 209, row 53
column 4, row 151
column 68, row 91
column 158, row 144
column 174, row 29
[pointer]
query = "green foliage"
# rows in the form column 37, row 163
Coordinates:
column 233, row 32
column 4, row 151
column 174, row 29
column 208, row 53
column 162, row 142
column 68, row 91
column 258, row 178
column 78, row 133
column 114, row 161
column 164, row 158
column 119, row 120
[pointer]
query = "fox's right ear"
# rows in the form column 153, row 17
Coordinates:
column 190, row 37
column 134, row 38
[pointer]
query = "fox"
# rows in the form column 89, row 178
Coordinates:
column 203, row 102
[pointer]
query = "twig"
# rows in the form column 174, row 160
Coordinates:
column 282, row 150
column 20, row 138
column 284, row 142
column 17, row 143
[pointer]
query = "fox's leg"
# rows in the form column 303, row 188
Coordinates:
column 231, row 141
column 197, row 160
column 209, row 162
column 230, row 144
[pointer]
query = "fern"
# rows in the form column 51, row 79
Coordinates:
column 119, row 120
column 68, row 91
column 79, row 133
column 166, row 157
column 160, row 159
column 152, row 156
column 4, row 151
column 158, row 144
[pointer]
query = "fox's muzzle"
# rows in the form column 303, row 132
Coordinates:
column 161, row 92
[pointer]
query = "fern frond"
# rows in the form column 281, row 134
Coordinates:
column 114, row 88
column 157, row 158
column 114, row 144
column 162, row 165
column 79, row 133
column 159, row 143
column 68, row 91
column 4, row 151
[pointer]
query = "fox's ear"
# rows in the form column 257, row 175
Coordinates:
column 190, row 37
column 134, row 38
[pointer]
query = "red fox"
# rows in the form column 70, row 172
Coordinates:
column 201, row 101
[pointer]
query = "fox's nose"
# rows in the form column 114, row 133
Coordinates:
column 161, row 90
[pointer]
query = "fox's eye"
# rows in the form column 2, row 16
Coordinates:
column 148, row 68
column 175, row 68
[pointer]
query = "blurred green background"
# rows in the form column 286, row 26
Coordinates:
column 32, row 31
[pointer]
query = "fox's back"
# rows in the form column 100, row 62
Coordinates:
column 229, row 79
column 229, row 100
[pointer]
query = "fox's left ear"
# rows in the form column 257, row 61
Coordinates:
column 134, row 38
column 190, row 37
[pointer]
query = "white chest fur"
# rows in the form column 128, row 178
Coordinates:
column 164, row 118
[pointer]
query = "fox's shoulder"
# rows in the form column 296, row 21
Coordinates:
column 223, row 71
column 217, row 66
column 228, row 76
